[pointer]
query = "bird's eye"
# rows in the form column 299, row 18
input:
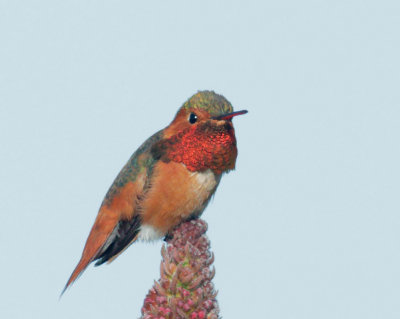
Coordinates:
column 192, row 118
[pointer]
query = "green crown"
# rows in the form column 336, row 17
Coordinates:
column 214, row 103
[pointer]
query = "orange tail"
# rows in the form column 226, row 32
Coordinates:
column 102, row 229
column 79, row 269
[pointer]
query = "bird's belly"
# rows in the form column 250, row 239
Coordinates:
column 175, row 194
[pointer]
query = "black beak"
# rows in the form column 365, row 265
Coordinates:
column 229, row 116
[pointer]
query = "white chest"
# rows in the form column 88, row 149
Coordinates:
column 205, row 182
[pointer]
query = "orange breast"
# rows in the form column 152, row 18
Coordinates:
column 175, row 195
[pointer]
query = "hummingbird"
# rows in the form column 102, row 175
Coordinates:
column 169, row 179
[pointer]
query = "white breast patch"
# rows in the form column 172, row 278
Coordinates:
column 206, row 180
column 149, row 233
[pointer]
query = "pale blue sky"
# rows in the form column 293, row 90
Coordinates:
column 308, row 224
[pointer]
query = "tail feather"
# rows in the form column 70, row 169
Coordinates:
column 98, row 239
column 79, row 269
column 115, row 227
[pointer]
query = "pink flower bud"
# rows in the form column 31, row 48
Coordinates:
column 185, row 285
